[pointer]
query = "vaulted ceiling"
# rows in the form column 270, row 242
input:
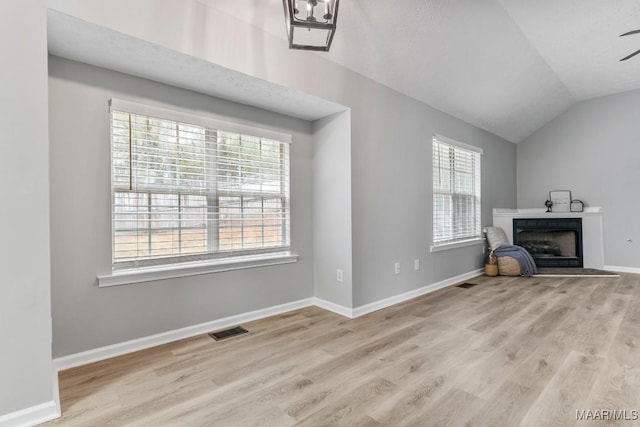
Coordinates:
column 507, row 66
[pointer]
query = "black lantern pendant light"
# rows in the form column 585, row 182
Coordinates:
column 311, row 24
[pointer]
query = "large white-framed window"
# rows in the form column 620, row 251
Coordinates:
column 456, row 193
column 188, row 188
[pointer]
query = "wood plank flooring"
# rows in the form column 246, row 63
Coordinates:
column 507, row 352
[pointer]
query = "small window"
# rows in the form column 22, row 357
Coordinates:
column 456, row 192
column 186, row 192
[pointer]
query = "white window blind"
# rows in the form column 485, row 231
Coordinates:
column 456, row 191
column 186, row 192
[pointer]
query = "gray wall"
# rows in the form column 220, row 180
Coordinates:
column 592, row 150
column 392, row 191
column 195, row 28
column 390, row 152
column 85, row 316
column 388, row 162
column 25, row 321
column 332, row 230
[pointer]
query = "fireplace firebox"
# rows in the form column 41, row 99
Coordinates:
column 552, row 242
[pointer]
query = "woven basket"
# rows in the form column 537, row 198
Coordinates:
column 508, row 266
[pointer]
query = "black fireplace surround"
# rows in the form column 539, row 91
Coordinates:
column 552, row 242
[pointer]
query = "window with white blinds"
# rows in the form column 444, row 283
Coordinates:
column 184, row 192
column 456, row 191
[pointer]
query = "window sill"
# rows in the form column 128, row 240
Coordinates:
column 454, row 245
column 147, row 274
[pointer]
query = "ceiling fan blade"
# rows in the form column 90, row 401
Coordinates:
column 630, row 56
column 629, row 33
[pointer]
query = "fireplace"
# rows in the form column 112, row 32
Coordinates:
column 552, row 242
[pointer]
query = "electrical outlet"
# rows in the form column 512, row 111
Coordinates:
column 339, row 276
column 416, row 264
column 397, row 267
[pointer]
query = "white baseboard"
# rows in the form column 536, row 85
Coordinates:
column 31, row 416
column 95, row 355
column 620, row 269
column 37, row 414
column 107, row 352
column 396, row 299
column 56, row 394
column 336, row 308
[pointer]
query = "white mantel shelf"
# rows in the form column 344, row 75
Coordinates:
column 542, row 213
column 592, row 229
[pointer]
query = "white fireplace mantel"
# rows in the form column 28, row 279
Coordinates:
column 592, row 229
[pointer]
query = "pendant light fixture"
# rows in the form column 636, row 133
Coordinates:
column 311, row 24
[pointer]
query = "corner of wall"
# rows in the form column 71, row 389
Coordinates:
column 332, row 233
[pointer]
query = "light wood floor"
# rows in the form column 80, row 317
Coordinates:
column 507, row 352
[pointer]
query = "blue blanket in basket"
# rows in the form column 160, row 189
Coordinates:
column 527, row 265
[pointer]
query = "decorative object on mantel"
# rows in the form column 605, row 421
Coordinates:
column 307, row 30
column 561, row 200
column 577, row 206
column 548, row 204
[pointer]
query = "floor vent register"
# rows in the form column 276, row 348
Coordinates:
column 467, row 285
column 228, row 333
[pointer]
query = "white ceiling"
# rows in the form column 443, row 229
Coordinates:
column 76, row 39
column 507, row 66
